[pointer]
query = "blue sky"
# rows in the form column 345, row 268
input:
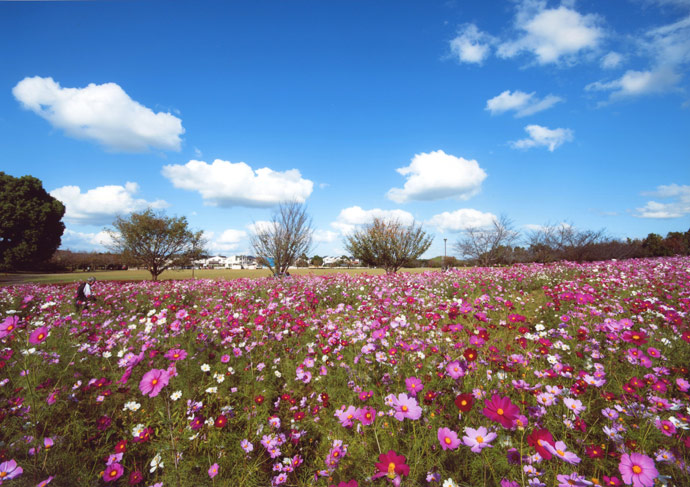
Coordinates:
column 446, row 113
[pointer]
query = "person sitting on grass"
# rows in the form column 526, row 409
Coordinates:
column 84, row 293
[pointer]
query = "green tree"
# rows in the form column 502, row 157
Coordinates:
column 388, row 244
column 287, row 236
column 30, row 223
column 317, row 261
column 155, row 241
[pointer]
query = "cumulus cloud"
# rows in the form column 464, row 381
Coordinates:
column 471, row 45
column 353, row 217
column 99, row 206
column 552, row 34
column 458, row 220
column 84, row 241
column 437, row 175
column 102, row 113
column 543, row 137
column 228, row 184
column 523, row 104
column 637, row 83
column 611, row 60
column 678, row 207
column 325, row 236
column 229, row 240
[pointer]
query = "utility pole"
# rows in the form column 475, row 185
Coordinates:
column 445, row 258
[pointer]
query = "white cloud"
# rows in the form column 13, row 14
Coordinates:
column 637, row 83
column 100, row 205
column 552, row 34
column 459, row 220
column 228, row 184
column 228, row 241
column 353, row 217
column 437, row 175
column 325, row 236
column 677, row 208
column 72, row 240
column 669, row 44
column 259, row 226
column 611, row 60
column 544, row 137
column 471, row 45
column 104, row 113
column 523, row 104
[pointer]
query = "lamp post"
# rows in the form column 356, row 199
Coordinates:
column 445, row 240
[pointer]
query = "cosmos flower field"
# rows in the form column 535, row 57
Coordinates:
column 534, row 375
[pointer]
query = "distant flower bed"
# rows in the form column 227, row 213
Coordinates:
column 558, row 375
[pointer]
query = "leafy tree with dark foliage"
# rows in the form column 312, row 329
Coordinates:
column 155, row 241
column 388, row 244
column 30, row 223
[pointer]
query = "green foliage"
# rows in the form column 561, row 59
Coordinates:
column 388, row 244
column 155, row 241
column 30, row 223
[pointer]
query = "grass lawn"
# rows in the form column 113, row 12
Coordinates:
column 141, row 275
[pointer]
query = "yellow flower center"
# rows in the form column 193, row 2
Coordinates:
column 154, row 382
column 447, row 440
column 637, row 469
column 480, row 439
column 404, row 409
column 560, row 452
column 391, row 470
column 499, row 411
column 113, row 473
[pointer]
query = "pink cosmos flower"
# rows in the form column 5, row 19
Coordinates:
column 448, row 439
column 501, row 410
column 113, row 472
column 575, row 405
column 45, row 482
column 413, row 385
column 175, row 354
column 38, row 335
column 665, row 426
column 392, row 465
column 561, row 451
column 478, row 438
column 406, row 407
column 637, row 470
column 153, row 381
column 246, row 445
column 366, row 415
column 572, row 480
column 455, row 370
column 8, row 325
column 346, row 416
column 10, row 470
column 213, row 471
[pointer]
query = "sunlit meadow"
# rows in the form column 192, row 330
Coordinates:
column 566, row 374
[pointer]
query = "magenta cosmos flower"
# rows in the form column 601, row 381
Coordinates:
column 213, row 471
column 391, row 465
column 448, row 439
column 38, row 335
column 478, row 438
column 406, row 407
column 113, row 472
column 153, row 381
column 501, row 410
column 637, row 470
column 9, row 470
column 8, row 325
column 413, row 385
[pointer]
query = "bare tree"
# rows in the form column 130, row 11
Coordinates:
column 565, row 242
column 388, row 244
column 286, row 237
column 488, row 246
